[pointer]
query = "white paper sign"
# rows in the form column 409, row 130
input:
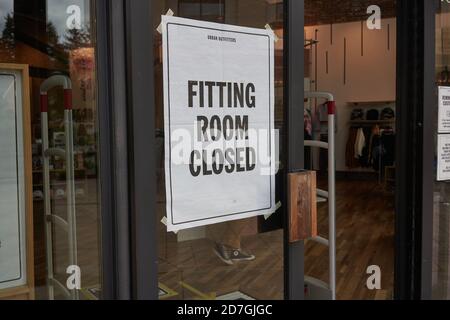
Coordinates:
column 219, row 122
column 444, row 110
column 443, row 157
column 12, row 201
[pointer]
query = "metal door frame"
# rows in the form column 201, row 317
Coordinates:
column 294, row 121
column 416, row 105
column 415, row 177
column 141, row 162
column 113, row 145
column 127, row 146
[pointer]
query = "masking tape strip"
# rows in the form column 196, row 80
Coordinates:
column 164, row 222
column 268, row 28
column 277, row 206
column 169, row 13
column 168, row 293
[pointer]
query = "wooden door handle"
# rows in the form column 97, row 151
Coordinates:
column 302, row 206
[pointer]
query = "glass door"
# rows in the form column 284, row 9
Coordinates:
column 350, row 49
column 441, row 222
column 235, row 259
column 50, row 241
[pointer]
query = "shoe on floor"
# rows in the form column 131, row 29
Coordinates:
column 240, row 255
column 223, row 253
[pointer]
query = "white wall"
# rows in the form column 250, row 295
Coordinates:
column 371, row 77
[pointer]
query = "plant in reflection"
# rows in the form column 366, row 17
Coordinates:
column 7, row 42
column 53, row 45
column 77, row 38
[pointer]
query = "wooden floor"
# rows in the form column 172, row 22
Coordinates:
column 441, row 241
column 190, row 270
column 365, row 236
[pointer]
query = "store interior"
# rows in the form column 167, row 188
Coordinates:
column 342, row 56
column 357, row 65
column 356, row 62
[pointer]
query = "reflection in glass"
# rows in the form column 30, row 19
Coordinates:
column 234, row 260
column 441, row 214
column 57, row 37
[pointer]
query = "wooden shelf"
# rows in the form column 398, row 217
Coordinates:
column 359, row 170
column 369, row 103
column 58, row 183
column 372, row 121
column 59, row 170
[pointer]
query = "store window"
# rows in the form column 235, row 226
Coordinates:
column 49, row 175
column 350, row 50
column 441, row 212
column 211, row 10
column 234, row 260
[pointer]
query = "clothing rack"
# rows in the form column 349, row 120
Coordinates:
column 381, row 123
column 382, row 129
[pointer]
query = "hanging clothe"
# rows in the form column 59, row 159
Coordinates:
column 388, row 141
column 364, row 160
column 322, row 112
column 360, row 143
column 308, row 124
column 350, row 160
column 383, row 150
column 374, row 135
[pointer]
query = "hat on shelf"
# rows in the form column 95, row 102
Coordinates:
column 387, row 114
column 357, row 114
column 373, row 114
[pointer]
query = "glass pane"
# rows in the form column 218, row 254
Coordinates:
column 350, row 52
column 234, row 260
column 441, row 212
column 49, row 45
